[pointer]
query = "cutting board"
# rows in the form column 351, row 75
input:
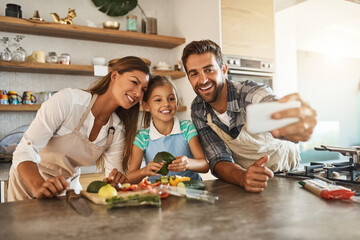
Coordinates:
column 94, row 197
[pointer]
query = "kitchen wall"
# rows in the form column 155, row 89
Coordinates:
column 174, row 19
column 317, row 55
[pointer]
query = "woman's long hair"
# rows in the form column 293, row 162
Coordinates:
column 154, row 82
column 128, row 116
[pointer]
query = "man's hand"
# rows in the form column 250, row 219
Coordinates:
column 51, row 187
column 301, row 130
column 255, row 178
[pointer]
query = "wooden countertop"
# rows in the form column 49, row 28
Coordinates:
column 283, row 211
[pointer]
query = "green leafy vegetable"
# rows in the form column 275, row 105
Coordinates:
column 164, row 157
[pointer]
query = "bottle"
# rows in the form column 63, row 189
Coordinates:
column 131, row 23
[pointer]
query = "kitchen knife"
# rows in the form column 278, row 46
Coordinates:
column 78, row 203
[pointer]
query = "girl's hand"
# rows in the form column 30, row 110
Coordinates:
column 114, row 178
column 152, row 168
column 180, row 164
column 52, row 187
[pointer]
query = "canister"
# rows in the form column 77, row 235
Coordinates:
column 131, row 23
column 14, row 98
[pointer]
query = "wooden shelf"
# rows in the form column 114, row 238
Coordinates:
column 35, row 107
column 18, row 25
column 72, row 69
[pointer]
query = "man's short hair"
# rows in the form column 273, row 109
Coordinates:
column 202, row 46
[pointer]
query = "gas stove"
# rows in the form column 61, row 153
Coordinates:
column 337, row 172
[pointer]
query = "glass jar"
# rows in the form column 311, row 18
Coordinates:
column 52, row 57
column 131, row 23
column 13, row 10
column 64, row 59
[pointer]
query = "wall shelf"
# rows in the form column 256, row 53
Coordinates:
column 19, row 25
column 35, row 107
column 72, row 69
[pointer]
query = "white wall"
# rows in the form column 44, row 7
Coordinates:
column 81, row 51
column 332, row 85
column 195, row 20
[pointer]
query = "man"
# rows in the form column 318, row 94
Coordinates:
column 219, row 113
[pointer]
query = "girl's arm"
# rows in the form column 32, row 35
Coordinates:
column 196, row 164
column 136, row 174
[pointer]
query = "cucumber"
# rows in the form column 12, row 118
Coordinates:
column 164, row 180
column 192, row 184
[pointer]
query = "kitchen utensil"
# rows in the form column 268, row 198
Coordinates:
column 191, row 193
column 78, row 203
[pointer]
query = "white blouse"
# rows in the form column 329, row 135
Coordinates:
column 59, row 116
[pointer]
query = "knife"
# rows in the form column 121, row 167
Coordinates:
column 78, row 203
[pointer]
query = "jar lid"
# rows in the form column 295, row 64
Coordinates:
column 131, row 17
column 13, row 5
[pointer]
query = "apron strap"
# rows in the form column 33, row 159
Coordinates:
column 111, row 133
column 86, row 113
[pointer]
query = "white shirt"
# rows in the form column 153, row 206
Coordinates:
column 224, row 117
column 59, row 116
column 155, row 134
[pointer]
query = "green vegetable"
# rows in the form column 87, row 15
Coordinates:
column 134, row 200
column 193, row 184
column 95, row 186
column 164, row 180
column 164, row 157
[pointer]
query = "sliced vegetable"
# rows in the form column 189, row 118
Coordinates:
column 95, row 186
column 107, row 191
column 134, row 200
column 174, row 180
column 164, row 180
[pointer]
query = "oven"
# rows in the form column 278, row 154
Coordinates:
column 246, row 68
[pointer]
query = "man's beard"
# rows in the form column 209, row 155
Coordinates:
column 213, row 96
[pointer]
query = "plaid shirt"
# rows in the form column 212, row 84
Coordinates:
column 240, row 95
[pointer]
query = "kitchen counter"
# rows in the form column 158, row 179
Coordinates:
column 283, row 211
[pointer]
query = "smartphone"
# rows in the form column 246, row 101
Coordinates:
column 258, row 116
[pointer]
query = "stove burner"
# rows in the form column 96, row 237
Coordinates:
column 350, row 170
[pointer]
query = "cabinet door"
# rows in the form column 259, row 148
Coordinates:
column 248, row 28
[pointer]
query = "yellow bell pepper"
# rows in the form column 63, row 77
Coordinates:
column 174, row 180
column 184, row 179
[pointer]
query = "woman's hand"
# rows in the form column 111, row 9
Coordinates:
column 151, row 169
column 52, row 187
column 115, row 177
column 180, row 164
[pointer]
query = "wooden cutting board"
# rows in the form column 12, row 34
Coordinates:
column 94, row 197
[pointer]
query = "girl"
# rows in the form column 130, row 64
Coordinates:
column 165, row 133
column 78, row 128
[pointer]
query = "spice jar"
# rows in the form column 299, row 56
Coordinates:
column 64, row 59
column 131, row 23
column 52, row 58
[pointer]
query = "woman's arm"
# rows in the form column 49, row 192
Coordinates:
column 136, row 174
column 52, row 187
column 196, row 164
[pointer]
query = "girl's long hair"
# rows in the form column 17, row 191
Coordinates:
column 128, row 116
column 154, row 82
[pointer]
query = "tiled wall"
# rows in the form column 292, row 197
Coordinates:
column 21, row 82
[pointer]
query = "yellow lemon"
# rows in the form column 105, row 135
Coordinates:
column 107, row 191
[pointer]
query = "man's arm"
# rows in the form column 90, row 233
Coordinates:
column 254, row 179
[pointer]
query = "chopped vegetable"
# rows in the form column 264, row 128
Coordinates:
column 134, row 200
column 164, row 180
column 197, row 185
column 107, row 191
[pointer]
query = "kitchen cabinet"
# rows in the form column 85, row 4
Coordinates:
column 248, row 28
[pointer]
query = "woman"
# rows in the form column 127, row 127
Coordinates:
column 78, row 128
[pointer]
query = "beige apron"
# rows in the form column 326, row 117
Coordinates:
column 62, row 156
column 247, row 148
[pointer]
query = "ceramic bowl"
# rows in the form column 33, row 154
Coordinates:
column 111, row 24
column 98, row 61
